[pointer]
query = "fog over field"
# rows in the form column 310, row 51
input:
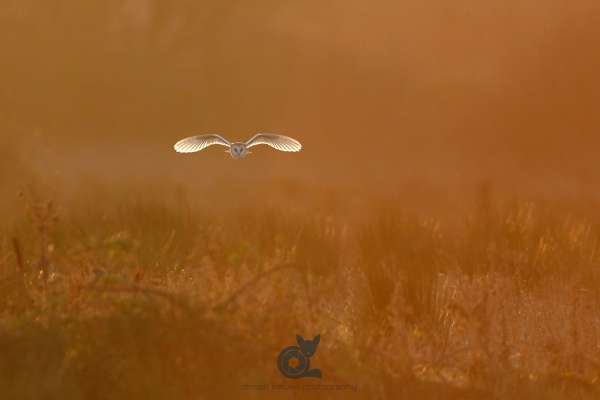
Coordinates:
column 389, row 93
column 439, row 226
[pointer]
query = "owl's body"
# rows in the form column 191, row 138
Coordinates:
column 238, row 149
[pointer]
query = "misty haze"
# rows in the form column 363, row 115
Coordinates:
column 439, row 228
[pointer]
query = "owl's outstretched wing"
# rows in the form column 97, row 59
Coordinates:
column 196, row 143
column 279, row 142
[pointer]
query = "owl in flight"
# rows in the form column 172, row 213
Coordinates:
column 238, row 149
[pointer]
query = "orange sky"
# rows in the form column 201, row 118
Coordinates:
column 393, row 92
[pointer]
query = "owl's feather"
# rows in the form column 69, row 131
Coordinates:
column 196, row 143
column 279, row 142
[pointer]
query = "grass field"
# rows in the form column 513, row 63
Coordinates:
column 440, row 229
column 111, row 295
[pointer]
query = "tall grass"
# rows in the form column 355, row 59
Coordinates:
column 117, row 296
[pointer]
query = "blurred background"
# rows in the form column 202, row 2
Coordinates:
column 440, row 228
column 418, row 94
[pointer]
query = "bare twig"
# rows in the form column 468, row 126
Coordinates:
column 18, row 254
column 226, row 303
column 141, row 289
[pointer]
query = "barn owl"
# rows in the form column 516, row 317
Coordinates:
column 238, row 149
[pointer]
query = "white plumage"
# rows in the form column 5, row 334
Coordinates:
column 238, row 149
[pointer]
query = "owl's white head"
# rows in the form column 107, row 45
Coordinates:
column 238, row 150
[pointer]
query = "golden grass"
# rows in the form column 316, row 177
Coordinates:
column 110, row 296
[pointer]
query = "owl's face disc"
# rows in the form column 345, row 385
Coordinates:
column 238, row 150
